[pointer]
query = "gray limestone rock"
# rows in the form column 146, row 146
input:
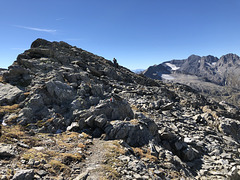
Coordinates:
column 82, row 176
column 7, row 151
column 133, row 132
column 230, row 127
column 9, row 94
column 60, row 91
column 117, row 110
column 35, row 102
column 73, row 127
column 17, row 75
column 100, row 121
column 24, row 175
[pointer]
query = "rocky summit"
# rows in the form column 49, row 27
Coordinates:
column 69, row 114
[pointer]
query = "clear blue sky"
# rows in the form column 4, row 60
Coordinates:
column 138, row 33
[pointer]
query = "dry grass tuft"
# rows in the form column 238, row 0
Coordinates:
column 10, row 134
column 67, row 158
column 35, row 155
column 49, row 120
column 114, row 150
column 26, row 93
column 9, row 109
column 81, row 145
column 56, row 162
column 134, row 122
column 142, row 154
column 134, row 108
column 57, row 167
column 85, row 136
column 2, row 80
column 9, row 173
column 111, row 172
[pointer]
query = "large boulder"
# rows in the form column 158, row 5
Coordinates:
column 9, row 94
column 230, row 127
column 97, row 121
column 134, row 132
column 60, row 91
column 24, row 175
column 117, row 110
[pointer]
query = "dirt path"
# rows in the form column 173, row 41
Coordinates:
column 94, row 163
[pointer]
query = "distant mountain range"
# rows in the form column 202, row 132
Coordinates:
column 137, row 71
column 218, row 77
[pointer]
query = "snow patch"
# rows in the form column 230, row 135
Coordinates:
column 172, row 66
column 212, row 64
column 167, row 77
column 209, row 64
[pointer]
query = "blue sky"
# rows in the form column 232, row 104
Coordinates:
column 138, row 33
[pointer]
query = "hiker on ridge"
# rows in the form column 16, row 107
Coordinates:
column 115, row 64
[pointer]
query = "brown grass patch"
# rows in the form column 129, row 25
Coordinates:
column 66, row 136
column 11, row 133
column 26, row 93
column 63, row 144
column 49, row 120
column 1, row 79
column 85, row 136
column 111, row 172
column 9, row 109
column 9, row 173
column 134, row 122
column 56, row 162
column 35, row 155
column 57, row 167
column 114, row 149
column 68, row 158
column 81, row 145
column 134, row 108
column 67, row 140
column 143, row 154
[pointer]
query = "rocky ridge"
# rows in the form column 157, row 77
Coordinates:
column 60, row 105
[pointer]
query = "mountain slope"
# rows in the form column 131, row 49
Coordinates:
column 58, row 102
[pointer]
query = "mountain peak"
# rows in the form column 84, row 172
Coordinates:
column 40, row 43
column 229, row 60
column 193, row 57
